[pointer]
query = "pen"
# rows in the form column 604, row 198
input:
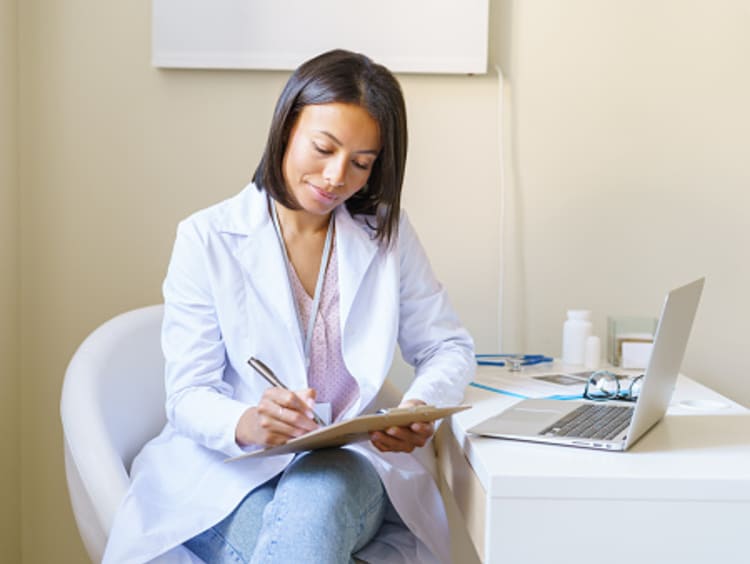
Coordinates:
column 268, row 375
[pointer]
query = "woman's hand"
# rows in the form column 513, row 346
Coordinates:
column 403, row 439
column 279, row 416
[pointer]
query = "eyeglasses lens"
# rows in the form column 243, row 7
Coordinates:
column 603, row 385
column 634, row 389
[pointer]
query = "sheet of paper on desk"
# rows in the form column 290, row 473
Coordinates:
column 534, row 383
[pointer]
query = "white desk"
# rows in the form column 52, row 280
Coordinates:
column 681, row 494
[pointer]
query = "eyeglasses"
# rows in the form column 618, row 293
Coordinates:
column 605, row 385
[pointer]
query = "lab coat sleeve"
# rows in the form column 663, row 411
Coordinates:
column 199, row 402
column 431, row 336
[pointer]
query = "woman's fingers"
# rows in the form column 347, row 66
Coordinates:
column 287, row 411
column 255, row 428
column 402, row 439
column 280, row 416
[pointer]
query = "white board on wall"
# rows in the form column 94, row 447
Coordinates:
column 410, row 36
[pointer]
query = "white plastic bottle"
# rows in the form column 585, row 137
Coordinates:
column 592, row 353
column 576, row 329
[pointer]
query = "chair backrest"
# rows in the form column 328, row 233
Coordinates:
column 112, row 404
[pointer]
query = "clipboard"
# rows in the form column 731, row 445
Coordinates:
column 356, row 430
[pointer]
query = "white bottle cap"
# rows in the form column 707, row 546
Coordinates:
column 583, row 314
column 593, row 351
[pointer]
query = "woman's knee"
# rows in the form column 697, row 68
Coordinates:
column 333, row 494
column 339, row 479
column 336, row 465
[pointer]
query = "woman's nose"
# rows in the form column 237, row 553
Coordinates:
column 335, row 172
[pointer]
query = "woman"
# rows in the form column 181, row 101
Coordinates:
column 317, row 235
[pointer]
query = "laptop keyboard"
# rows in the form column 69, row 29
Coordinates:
column 592, row 421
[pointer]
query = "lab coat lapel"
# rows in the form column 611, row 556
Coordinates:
column 261, row 258
column 356, row 251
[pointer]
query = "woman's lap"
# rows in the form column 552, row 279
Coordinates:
column 326, row 505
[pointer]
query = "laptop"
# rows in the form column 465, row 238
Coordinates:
column 617, row 426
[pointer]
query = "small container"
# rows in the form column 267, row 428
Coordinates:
column 593, row 353
column 627, row 329
column 576, row 329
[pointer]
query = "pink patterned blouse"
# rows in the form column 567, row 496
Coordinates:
column 328, row 373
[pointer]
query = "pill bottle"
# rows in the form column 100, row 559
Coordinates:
column 576, row 329
column 592, row 353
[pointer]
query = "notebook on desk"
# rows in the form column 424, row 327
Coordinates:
column 617, row 426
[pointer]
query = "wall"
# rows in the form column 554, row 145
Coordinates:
column 10, row 501
column 629, row 170
column 115, row 152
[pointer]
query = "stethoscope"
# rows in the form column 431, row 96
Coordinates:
column 512, row 360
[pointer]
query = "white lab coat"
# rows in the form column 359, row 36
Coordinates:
column 227, row 298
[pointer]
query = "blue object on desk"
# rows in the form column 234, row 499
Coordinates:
column 521, row 396
column 526, row 359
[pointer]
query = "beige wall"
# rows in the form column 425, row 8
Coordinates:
column 630, row 143
column 624, row 136
column 115, row 152
column 10, row 507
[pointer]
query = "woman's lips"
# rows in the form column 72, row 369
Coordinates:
column 322, row 194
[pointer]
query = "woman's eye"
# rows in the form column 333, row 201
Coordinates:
column 362, row 166
column 322, row 150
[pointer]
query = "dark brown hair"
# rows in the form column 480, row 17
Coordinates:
column 352, row 78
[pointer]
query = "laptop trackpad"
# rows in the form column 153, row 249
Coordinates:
column 527, row 417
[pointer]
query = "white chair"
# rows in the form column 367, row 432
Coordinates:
column 112, row 404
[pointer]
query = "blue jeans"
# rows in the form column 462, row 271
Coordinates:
column 325, row 506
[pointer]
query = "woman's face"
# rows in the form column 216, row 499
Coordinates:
column 330, row 154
